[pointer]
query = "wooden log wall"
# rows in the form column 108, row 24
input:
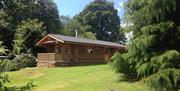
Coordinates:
column 85, row 56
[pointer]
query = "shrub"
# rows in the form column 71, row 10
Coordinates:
column 120, row 65
column 25, row 60
column 4, row 78
column 164, row 80
column 27, row 87
column 161, row 72
column 11, row 56
column 7, row 65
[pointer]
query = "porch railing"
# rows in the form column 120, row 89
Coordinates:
column 46, row 57
column 49, row 57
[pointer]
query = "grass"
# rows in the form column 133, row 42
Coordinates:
column 78, row 78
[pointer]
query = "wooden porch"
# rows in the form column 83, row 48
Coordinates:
column 52, row 60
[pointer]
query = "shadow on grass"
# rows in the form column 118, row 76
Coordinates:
column 124, row 78
column 87, row 64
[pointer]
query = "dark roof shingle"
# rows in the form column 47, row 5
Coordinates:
column 87, row 41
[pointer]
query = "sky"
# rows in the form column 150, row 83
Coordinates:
column 74, row 7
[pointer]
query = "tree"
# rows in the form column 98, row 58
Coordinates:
column 102, row 19
column 27, row 34
column 65, row 20
column 14, row 12
column 44, row 10
column 153, row 52
column 5, row 30
column 48, row 14
column 74, row 26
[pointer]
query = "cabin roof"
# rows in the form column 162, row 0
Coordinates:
column 68, row 39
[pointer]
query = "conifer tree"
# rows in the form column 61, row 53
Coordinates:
column 154, row 51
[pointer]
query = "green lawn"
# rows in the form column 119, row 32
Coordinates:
column 79, row 78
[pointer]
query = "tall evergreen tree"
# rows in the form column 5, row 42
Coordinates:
column 154, row 50
column 48, row 14
column 102, row 19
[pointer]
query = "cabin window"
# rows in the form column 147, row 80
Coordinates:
column 90, row 50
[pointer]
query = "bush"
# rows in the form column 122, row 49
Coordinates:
column 27, row 87
column 11, row 56
column 120, row 65
column 25, row 60
column 7, row 65
column 164, row 80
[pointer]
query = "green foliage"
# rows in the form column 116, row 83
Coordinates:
column 13, row 12
column 5, row 30
column 164, row 80
column 71, row 27
column 48, row 14
column 65, row 20
column 27, row 87
column 153, row 52
column 88, row 35
column 4, row 78
column 119, row 64
column 169, row 59
column 3, row 19
column 27, row 34
column 7, row 65
column 19, row 62
column 3, row 49
column 102, row 19
column 144, row 12
column 24, row 60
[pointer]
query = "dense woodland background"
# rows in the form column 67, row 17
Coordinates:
column 153, row 53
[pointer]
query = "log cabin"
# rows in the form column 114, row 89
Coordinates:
column 66, row 50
